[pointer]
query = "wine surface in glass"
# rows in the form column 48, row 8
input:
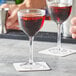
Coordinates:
column 32, row 23
column 59, row 12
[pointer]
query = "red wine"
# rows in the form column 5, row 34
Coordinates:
column 59, row 12
column 31, row 23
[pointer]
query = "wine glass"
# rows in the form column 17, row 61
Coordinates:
column 59, row 11
column 31, row 21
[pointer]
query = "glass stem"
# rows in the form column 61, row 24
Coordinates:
column 59, row 35
column 31, row 50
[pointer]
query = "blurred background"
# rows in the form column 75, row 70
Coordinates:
column 51, row 26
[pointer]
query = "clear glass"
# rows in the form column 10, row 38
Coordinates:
column 3, row 16
column 59, row 11
column 31, row 21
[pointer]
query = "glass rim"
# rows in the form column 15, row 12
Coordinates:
column 70, row 2
column 22, row 11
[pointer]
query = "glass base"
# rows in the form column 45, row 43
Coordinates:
column 58, row 51
column 22, row 67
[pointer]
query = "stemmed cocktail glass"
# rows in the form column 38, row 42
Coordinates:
column 59, row 11
column 31, row 21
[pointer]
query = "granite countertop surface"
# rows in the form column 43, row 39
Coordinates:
column 12, row 51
